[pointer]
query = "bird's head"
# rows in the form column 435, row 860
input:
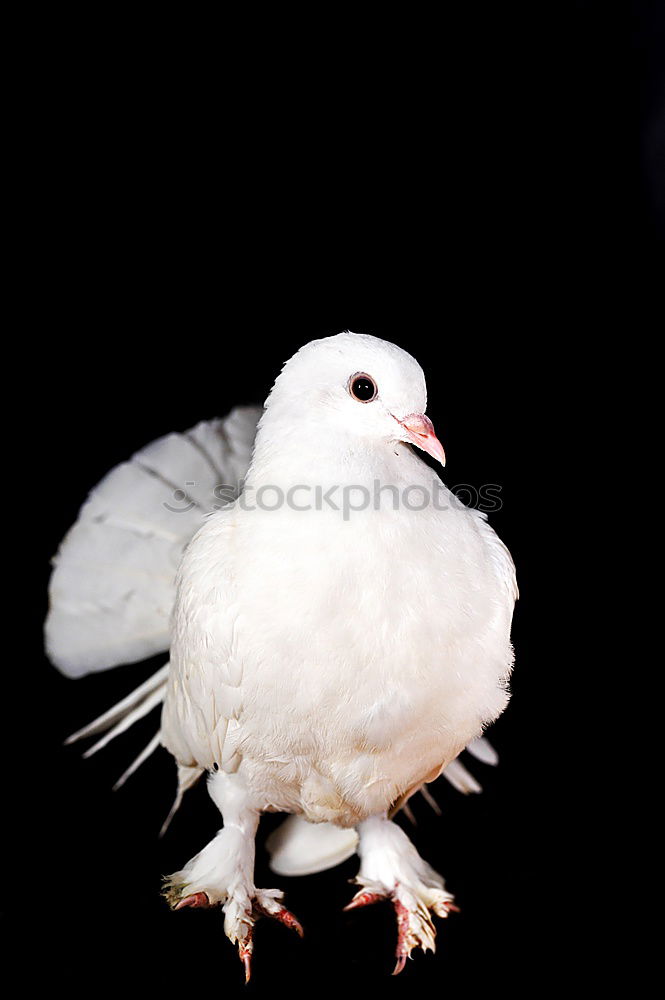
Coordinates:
column 356, row 385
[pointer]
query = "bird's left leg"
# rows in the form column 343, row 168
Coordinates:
column 391, row 868
column 223, row 872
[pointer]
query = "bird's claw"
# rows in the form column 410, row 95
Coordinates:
column 284, row 916
column 266, row 902
column 404, row 946
column 267, row 907
column 245, row 949
column 365, row 898
column 196, row 899
column 414, row 923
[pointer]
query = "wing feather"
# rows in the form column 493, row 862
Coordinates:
column 499, row 555
column 204, row 699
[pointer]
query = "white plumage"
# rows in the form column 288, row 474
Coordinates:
column 111, row 593
column 324, row 662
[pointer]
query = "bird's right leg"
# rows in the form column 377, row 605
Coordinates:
column 391, row 868
column 223, row 872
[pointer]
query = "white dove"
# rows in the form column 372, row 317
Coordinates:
column 340, row 633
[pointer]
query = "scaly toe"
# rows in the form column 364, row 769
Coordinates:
column 405, row 941
column 415, row 928
column 245, row 949
column 286, row 917
column 268, row 903
column 196, row 899
column 364, row 898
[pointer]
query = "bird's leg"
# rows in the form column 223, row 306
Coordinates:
column 223, row 872
column 391, row 868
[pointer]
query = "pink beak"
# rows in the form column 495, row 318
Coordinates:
column 420, row 431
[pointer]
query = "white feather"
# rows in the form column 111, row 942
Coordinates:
column 112, row 587
column 483, row 751
column 461, row 779
column 136, row 763
column 297, row 847
column 118, row 711
column 187, row 778
column 429, row 798
column 130, row 718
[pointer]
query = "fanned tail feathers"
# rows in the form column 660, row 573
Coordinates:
column 113, row 583
column 130, row 708
column 121, row 717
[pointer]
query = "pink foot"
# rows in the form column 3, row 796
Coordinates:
column 414, row 925
column 263, row 903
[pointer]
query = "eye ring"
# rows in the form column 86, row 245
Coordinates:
column 362, row 387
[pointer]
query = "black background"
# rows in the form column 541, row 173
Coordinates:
column 487, row 194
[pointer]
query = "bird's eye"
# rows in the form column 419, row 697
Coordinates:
column 362, row 387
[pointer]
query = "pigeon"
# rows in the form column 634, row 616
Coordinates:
column 339, row 629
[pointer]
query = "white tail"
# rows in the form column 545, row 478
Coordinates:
column 113, row 583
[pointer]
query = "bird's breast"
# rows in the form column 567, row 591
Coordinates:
column 367, row 649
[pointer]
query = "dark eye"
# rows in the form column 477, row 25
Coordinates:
column 362, row 387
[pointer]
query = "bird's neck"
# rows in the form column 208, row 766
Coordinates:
column 311, row 455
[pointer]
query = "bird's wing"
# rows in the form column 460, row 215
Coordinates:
column 113, row 583
column 499, row 556
column 204, row 697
